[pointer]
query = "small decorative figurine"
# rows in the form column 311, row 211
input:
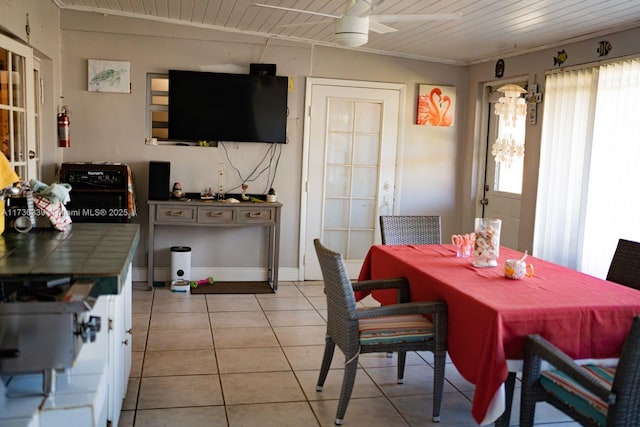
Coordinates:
column 177, row 191
column 244, row 188
column 271, row 195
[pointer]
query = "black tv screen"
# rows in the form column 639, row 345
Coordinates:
column 207, row 106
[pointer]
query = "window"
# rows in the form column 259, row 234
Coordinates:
column 158, row 106
column 587, row 196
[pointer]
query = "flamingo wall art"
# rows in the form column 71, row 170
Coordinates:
column 436, row 105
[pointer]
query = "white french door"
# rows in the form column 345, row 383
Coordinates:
column 351, row 135
column 502, row 184
column 17, row 97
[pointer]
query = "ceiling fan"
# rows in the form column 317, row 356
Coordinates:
column 353, row 26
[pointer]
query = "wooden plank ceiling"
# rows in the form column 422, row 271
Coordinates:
column 487, row 30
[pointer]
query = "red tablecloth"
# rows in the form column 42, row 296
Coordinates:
column 489, row 315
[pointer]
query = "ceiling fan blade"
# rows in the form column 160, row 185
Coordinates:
column 417, row 18
column 302, row 24
column 379, row 28
column 288, row 9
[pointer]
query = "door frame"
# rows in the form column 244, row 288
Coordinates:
column 483, row 146
column 306, row 141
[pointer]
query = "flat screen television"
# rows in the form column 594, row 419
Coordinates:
column 206, row 106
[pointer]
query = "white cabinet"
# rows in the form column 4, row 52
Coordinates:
column 119, row 361
column 112, row 347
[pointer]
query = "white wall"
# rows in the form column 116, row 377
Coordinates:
column 111, row 127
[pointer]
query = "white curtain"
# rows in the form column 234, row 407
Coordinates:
column 587, row 179
column 613, row 201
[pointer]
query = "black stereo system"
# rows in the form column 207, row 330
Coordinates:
column 99, row 191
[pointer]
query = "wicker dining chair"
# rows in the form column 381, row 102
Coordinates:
column 625, row 265
column 410, row 230
column 592, row 395
column 392, row 328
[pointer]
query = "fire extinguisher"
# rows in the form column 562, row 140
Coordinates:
column 64, row 138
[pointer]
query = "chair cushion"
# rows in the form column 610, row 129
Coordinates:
column 395, row 329
column 573, row 394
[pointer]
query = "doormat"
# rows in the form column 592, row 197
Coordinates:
column 233, row 288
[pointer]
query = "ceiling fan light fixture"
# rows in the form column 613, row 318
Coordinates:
column 352, row 31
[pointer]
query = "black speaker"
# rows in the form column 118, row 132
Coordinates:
column 159, row 175
column 262, row 69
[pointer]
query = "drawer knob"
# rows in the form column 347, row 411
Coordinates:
column 215, row 213
column 255, row 214
column 175, row 213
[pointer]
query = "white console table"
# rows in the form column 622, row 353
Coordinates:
column 205, row 213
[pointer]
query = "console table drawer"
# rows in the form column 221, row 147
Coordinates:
column 176, row 214
column 256, row 216
column 215, row 216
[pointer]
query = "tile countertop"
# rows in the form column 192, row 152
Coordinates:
column 98, row 251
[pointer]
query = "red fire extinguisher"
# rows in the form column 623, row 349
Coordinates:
column 64, row 138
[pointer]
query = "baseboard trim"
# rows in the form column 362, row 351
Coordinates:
column 222, row 274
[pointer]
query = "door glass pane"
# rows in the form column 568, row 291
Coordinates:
column 368, row 117
column 359, row 243
column 336, row 240
column 17, row 80
column 4, row 133
column 338, row 181
column 339, row 148
column 336, row 213
column 362, row 213
column 508, row 177
column 340, row 115
column 364, row 182
column 4, row 103
column 19, row 141
column 366, row 149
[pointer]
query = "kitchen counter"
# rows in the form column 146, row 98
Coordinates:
column 97, row 251
column 91, row 392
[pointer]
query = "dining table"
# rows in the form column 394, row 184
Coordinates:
column 490, row 315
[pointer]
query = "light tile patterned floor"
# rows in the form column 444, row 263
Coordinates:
column 253, row 360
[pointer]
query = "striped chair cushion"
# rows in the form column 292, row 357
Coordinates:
column 395, row 329
column 570, row 392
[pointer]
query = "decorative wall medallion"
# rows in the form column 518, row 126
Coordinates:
column 604, row 47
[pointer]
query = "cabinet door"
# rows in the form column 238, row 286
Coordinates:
column 119, row 348
column 116, row 357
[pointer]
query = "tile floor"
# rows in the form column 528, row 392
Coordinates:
column 253, row 360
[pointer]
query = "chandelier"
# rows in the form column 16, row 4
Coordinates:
column 512, row 109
